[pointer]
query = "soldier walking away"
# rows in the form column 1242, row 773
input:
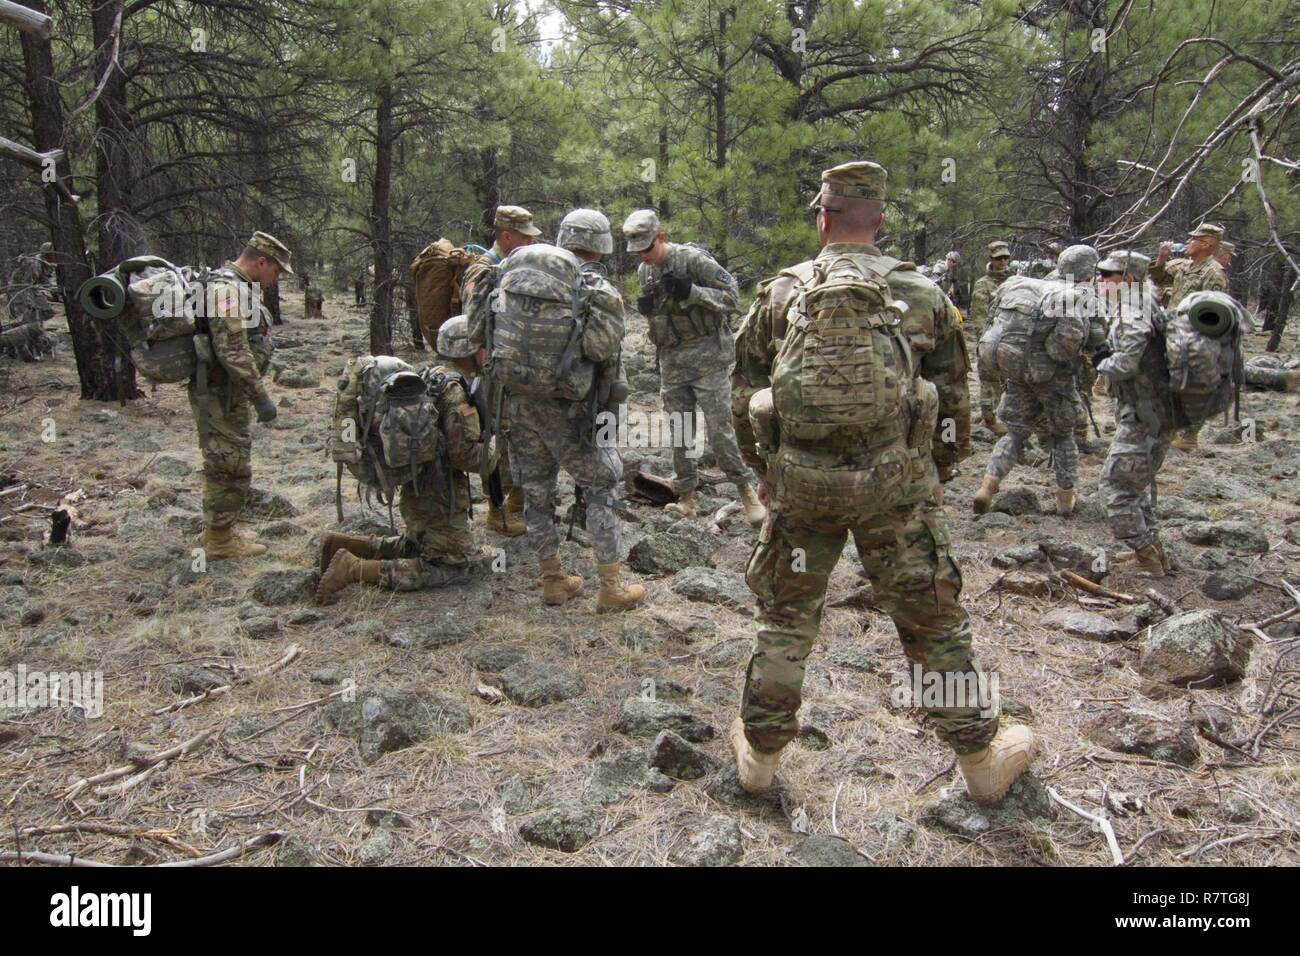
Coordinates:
column 1039, row 334
column 995, row 273
column 846, row 448
column 438, row 546
column 512, row 228
column 233, row 384
column 1132, row 361
column 687, row 299
column 1200, row 271
column 553, row 329
column 359, row 287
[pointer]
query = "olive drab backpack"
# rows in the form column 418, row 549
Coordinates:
column 1038, row 326
column 539, row 318
column 843, row 381
column 1202, row 339
column 437, row 272
column 386, row 428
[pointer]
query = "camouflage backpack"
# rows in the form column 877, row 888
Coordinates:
column 843, row 382
column 1202, row 339
column 541, row 325
column 386, row 426
column 1038, row 326
column 437, row 272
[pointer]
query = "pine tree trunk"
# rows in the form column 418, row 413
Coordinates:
column 381, row 313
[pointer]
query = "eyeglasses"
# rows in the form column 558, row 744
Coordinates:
column 1106, row 274
column 818, row 207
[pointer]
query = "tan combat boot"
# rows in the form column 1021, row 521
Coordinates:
column 558, row 587
column 363, row 546
column 685, row 505
column 346, row 568
column 989, row 773
column 614, row 594
column 1146, row 561
column 515, row 504
column 1185, row 440
column 754, row 769
column 225, row 543
column 755, row 512
column 984, row 497
column 503, row 522
column 1065, row 502
column 1165, row 562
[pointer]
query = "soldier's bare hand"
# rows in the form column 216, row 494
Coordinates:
column 1165, row 248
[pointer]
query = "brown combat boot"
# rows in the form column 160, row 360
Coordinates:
column 755, row 512
column 754, row 769
column 503, row 522
column 1185, row 439
column 989, row 773
column 221, row 543
column 614, row 594
column 363, row 546
column 345, row 568
column 1065, row 502
column 686, row 503
column 558, row 587
column 984, row 497
column 1145, row 561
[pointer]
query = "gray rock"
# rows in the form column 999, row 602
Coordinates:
column 667, row 552
column 1016, row 501
column 1026, row 802
column 1228, row 585
column 304, row 616
column 715, row 842
column 1180, row 509
column 281, row 529
column 187, row 525
column 329, row 676
column 823, row 849
column 1237, row 535
column 1089, row 509
column 1150, row 735
column 618, row 777
column 494, row 658
column 261, row 627
column 444, row 630
column 1212, row 559
column 1025, row 582
column 676, row 757
column 995, row 519
column 854, row 658
column 1090, row 626
column 61, row 556
column 647, row 718
column 278, row 588
column 386, row 720
column 376, row 848
column 1196, row 647
column 567, row 827
column 1237, row 434
column 261, row 505
column 297, row 378
column 1239, row 809
column 189, row 679
column 713, row 586
column 170, row 467
column 538, row 683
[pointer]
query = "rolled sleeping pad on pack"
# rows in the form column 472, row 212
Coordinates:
column 105, row 296
column 1211, row 314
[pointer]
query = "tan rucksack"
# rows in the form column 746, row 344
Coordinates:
column 437, row 272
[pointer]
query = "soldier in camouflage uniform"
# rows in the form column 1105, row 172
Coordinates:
column 1266, row 372
column 1025, row 402
column 1132, row 361
column 547, row 434
column 1179, row 278
column 945, row 276
column 438, row 546
column 233, row 384
column 884, row 484
column 687, row 299
column 996, row 273
column 513, row 227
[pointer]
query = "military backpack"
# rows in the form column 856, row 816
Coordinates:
column 1202, row 339
column 1037, row 329
column 437, row 273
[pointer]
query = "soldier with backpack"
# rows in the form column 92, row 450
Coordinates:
column 1037, row 335
column 441, row 424
column 832, row 407
column 553, row 326
column 995, row 273
column 687, row 299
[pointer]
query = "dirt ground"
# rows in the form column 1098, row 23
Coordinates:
column 125, row 599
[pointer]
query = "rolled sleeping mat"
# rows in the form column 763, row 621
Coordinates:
column 105, row 296
column 1211, row 313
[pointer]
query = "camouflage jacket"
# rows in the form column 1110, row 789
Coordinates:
column 459, row 420
column 1179, row 278
column 233, row 329
column 930, row 324
column 1136, row 366
column 714, row 296
column 475, row 270
column 982, row 295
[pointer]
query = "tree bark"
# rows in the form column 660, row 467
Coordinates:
column 381, row 313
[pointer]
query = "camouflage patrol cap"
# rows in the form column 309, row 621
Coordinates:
column 857, row 180
column 1077, row 262
column 272, row 248
column 954, row 255
column 1133, row 264
column 998, row 249
column 586, row 229
column 1226, row 246
column 641, row 229
column 453, row 338
column 1207, row 229
column 515, row 218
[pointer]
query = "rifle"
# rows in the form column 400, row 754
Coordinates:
column 489, row 410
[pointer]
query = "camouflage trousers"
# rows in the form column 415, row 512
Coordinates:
column 905, row 553
column 227, row 451
column 711, row 394
column 990, row 395
column 546, row 435
column 438, row 546
column 1263, row 373
column 1053, row 406
column 1136, row 453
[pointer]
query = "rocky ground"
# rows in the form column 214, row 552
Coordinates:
column 476, row 726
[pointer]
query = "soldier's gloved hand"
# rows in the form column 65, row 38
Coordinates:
column 1101, row 353
column 265, row 409
column 677, row 287
column 645, row 303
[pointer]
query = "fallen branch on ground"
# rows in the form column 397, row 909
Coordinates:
column 293, row 652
